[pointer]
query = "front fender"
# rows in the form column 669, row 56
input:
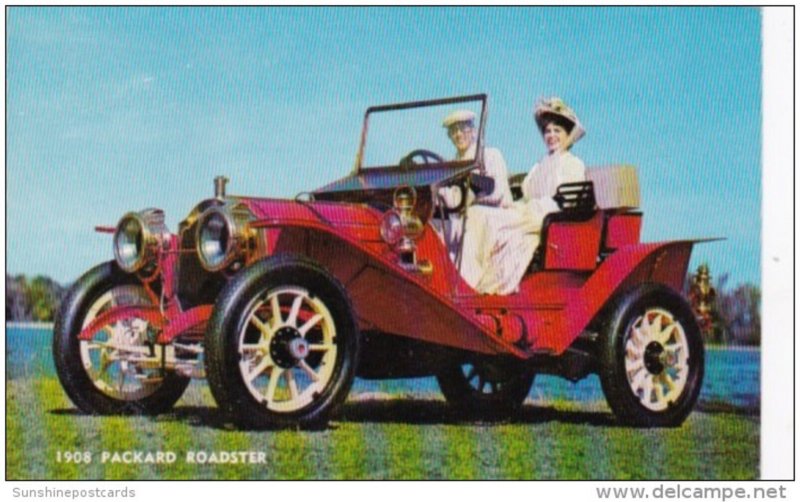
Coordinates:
column 169, row 327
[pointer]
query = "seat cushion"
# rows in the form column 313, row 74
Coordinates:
column 615, row 186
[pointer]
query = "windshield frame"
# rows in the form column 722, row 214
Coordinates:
column 477, row 161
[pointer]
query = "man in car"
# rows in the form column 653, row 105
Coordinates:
column 467, row 231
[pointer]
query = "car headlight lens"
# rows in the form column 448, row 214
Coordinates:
column 222, row 237
column 401, row 224
column 214, row 240
column 392, row 227
column 136, row 239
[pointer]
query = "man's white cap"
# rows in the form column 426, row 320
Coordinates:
column 459, row 116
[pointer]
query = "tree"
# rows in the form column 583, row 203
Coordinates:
column 34, row 300
column 727, row 315
column 738, row 313
column 16, row 302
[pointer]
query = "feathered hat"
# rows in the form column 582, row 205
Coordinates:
column 555, row 108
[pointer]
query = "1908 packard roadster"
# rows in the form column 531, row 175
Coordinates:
column 280, row 304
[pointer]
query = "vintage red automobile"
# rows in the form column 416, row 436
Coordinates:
column 280, row 304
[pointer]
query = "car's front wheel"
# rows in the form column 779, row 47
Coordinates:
column 281, row 345
column 652, row 357
column 116, row 371
column 485, row 388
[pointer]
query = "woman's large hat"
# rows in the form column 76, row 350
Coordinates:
column 556, row 108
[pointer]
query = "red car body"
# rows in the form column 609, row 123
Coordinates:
column 553, row 306
column 406, row 314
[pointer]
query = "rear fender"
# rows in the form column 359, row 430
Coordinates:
column 660, row 263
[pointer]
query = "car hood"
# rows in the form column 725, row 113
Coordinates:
column 337, row 215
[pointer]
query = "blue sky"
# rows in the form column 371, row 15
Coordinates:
column 111, row 110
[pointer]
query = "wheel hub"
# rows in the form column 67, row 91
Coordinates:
column 298, row 348
column 654, row 358
column 288, row 347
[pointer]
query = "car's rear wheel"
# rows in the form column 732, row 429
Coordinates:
column 652, row 357
column 281, row 345
column 114, row 372
column 485, row 388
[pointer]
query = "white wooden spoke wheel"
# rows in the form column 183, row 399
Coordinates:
column 287, row 349
column 656, row 359
column 116, row 358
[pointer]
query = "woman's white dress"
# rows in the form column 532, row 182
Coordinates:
column 503, row 240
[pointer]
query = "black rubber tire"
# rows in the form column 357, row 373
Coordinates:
column 623, row 313
column 512, row 378
column 66, row 351
column 222, row 358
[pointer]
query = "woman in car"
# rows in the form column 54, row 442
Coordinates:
column 512, row 240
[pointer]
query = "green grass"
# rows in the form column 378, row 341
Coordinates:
column 517, row 448
column 57, row 432
column 15, row 452
column 403, row 451
column 379, row 439
column 348, row 453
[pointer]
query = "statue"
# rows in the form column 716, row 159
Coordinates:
column 701, row 297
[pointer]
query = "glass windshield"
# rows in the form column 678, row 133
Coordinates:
column 415, row 135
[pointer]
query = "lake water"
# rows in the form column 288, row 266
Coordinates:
column 732, row 377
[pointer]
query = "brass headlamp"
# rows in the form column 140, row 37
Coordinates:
column 401, row 227
column 223, row 237
column 137, row 239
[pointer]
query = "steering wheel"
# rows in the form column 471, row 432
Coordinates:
column 427, row 157
column 462, row 198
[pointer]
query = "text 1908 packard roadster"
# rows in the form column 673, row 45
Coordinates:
column 280, row 304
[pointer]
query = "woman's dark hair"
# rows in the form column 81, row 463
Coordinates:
column 556, row 119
